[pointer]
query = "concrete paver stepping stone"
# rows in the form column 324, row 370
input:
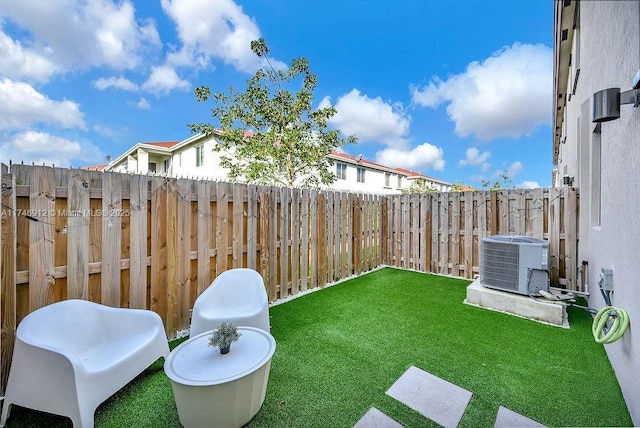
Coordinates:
column 431, row 396
column 374, row 418
column 508, row 418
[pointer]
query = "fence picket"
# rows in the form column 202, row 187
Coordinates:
column 138, row 252
column 237, row 220
column 285, row 218
column 252, row 226
column 204, row 236
column 295, row 241
column 41, row 242
column 159, row 248
column 222, row 229
column 111, row 238
column 304, row 241
column 78, row 235
column 454, row 203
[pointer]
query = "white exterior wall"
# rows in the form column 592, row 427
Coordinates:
column 373, row 180
column 182, row 163
column 609, row 57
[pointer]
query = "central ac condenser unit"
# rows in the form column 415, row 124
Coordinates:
column 519, row 264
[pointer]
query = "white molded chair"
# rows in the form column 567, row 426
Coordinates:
column 72, row 355
column 237, row 296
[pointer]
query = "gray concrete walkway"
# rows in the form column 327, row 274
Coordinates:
column 431, row 396
column 436, row 399
column 508, row 418
column 374, row 418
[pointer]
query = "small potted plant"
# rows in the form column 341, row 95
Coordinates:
column 223, row 336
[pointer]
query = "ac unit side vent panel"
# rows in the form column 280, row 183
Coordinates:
column 500, row 265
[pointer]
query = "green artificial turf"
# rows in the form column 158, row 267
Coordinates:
column 340, row 349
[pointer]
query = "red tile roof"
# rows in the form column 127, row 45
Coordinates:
column 95, row 167
column 355, row 159
column 403, row 171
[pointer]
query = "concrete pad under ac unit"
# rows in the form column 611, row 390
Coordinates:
column 516, row 304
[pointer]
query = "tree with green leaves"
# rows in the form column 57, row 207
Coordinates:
column 504, row 183
column 270, row 133
column 419, row 185
column 461, row 187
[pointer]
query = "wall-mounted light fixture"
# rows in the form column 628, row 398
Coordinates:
column 567, row 180
column 606, row 103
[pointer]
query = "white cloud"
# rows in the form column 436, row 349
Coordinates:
column 514, row 169
column 374, row 120
column 528, row 185
column 43, row 148
column 21, row 105
column 474, row 157
column 430, row 96
column 74, row 34
column 18, row 63
column 104, row 130
column 214, row 29
column 508, row 94
column 115, row 82
column 419, row 158
column 370, row 119
column 163, row 79
column 143, row 104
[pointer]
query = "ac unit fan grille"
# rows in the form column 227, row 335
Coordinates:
column 500, row 267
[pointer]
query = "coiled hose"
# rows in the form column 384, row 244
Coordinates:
column 609, row 324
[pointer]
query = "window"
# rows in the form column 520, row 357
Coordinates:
column 360, row 175
column 399, row 181
column 199, row 155
column 152, row 167
column 387, row 179
column 575, row 61
column 341, row 171
column 179, row 159
column 167, row 165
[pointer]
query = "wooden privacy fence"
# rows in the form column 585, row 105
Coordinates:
column 441, row 232
column 156, row 243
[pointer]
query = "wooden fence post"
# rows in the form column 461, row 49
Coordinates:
column 8, row 243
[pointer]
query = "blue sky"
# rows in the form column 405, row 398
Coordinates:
column 457, row 90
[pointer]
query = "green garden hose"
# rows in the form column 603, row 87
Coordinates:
column 620, row 323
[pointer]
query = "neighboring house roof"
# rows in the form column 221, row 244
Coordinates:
column 158, row 147
column 411, row 175
column 95, row 167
